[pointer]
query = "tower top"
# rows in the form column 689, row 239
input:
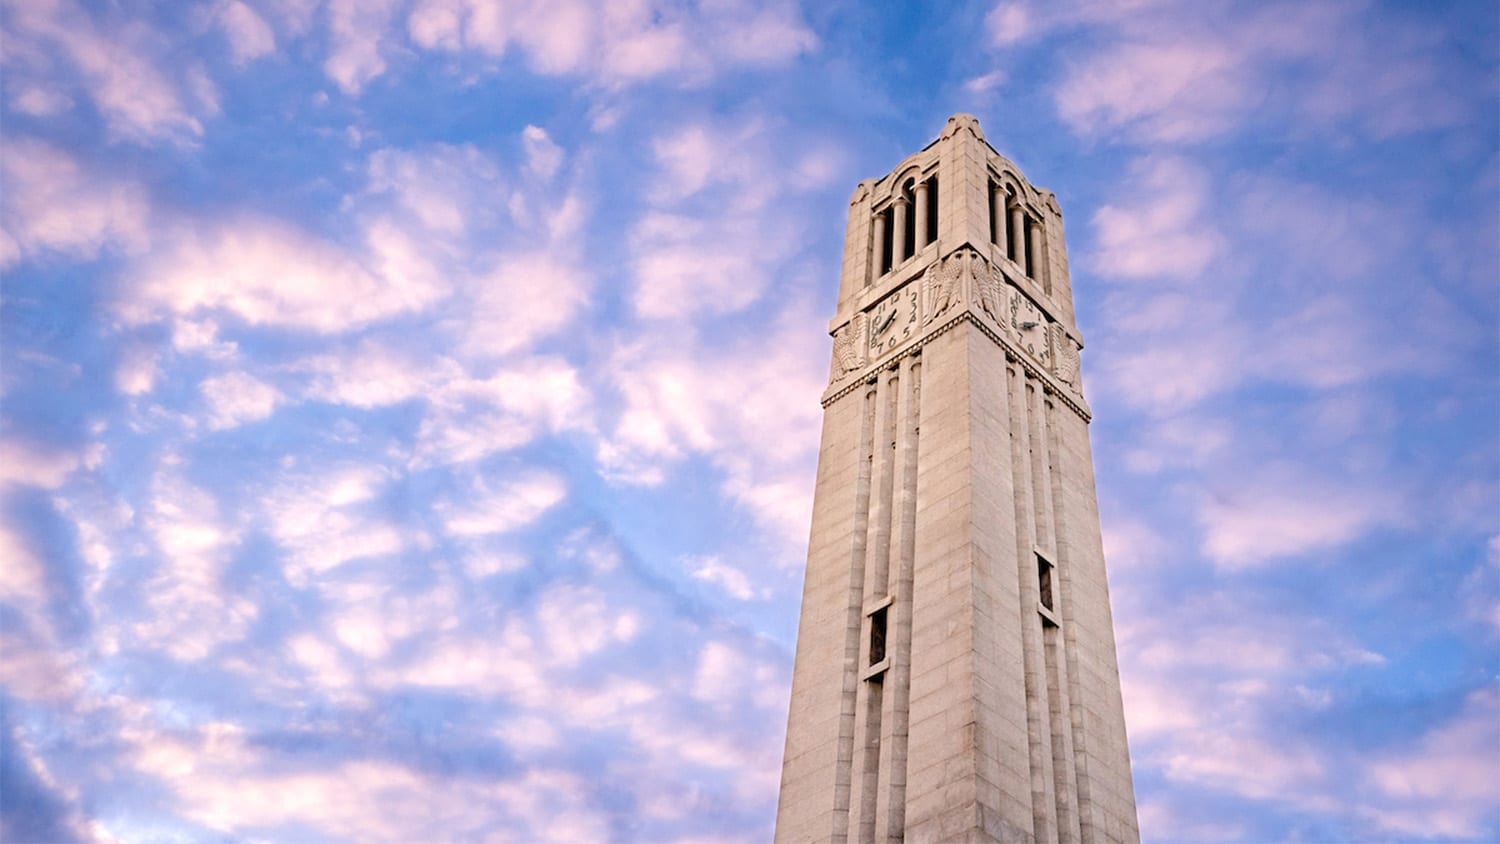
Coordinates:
column 959, row 221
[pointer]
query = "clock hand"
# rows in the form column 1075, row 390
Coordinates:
column 1028, row 325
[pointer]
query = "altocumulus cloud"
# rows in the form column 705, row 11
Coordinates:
column 410, row 408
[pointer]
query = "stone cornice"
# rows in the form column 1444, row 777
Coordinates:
column 1050, row 385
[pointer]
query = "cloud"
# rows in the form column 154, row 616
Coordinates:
column 447, row 190
column 236, row 398
column 1183, row 72
column 188, row 612
column 505, row 242
column 121, row 68
column 617, row 43
column 250, row 37
column 722, row 219
column 490, row 508
column 42, row 101
column 986, row 82
column 1445, row 784
column 465, row 417
column 470, row 419
column 543, row 156
column 266, row 272
column 526, row 296
column 357, row 33
column 52, row 202
column 228, row 783
column 733, row 581
column 327, row 516
column 29, row 463
column 748, row 403
column 1177, row 91
column 1162, row 231
column 1225, row 699
column 1281, row 512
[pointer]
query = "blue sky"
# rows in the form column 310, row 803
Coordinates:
column 410, row 408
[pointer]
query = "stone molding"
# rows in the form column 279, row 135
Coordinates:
column 981, row 293
column 1050, row 383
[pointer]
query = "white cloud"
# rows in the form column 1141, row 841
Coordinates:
column 236, row 398
column 750, row 405
column 121, row 69
column 727, row 577
column 137, row 370
column 617, row 43
column 512, row 503
column 503, row 243
column 42, row 101
column 1161, row 230
column 1446, row 784
column 52, row 202
column 188, row 610
column 466, row 417
column 374, row 374
column 1281, row 512
column 325, row 517
column 1164, row 92
column 526, row 297
column 446, row 189
column 469, row 419
column 986, row 82
column 28, row 463
column 226, row 781
column 543, row 157
column 1009, row 21
column 1179, row 71
column 721, row 221
column 250, row 37
column 268, row 273
column 729, row 677
column 357, row 33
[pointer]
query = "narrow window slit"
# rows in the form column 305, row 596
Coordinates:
column 932, row 209
column 1044, row 581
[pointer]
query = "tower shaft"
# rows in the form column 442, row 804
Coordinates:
column 955, row 675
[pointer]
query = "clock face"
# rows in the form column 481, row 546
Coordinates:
column 1030, row 327
column 893, row 320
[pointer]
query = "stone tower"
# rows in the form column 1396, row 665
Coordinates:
column 955, row 677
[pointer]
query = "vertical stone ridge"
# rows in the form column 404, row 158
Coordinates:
column 1039, row 751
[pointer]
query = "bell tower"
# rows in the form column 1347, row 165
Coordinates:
column 955, row 675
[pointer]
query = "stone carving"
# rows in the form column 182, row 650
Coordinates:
column 958, row 123
column 861, row 191
column 849, row 347
column 940, row 285
column 1067, row 361
column 1049, row 199
column 992, row 293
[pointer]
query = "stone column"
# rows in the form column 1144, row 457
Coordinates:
column 877, row 265
column 1038, row 262
column 898, row 230
column 998, row 235
column 921, row 211
column 1018, row 234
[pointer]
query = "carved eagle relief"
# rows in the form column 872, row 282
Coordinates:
column 940, row 286
column 991, row 292
column 849, row 346
column 1066, row 361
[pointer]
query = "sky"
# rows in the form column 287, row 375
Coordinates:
column 409, row 410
